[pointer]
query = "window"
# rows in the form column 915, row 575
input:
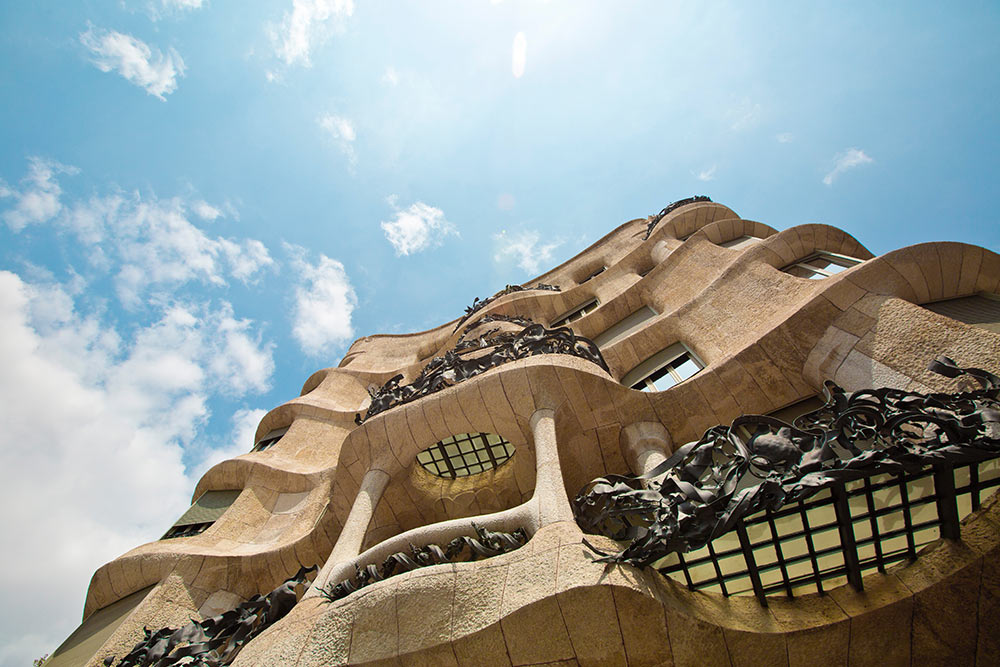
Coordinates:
column 82, row 646
column 740, row 242
column 789, row 413
column 465, row 454
column 980, row 310
column 269, row 440
column 821, row 265
column 206, row 510
column 594, row 274
column 624, row 327
column 576, row 314
column 664, row 369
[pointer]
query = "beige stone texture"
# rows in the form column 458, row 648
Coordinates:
column 767, row 339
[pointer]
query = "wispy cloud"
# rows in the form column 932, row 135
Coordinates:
column 38, row 199
column 149, row 243
column 324, row 303
column 849, row 159
column 306, row 26
column 158, row 8
column 519, row 55
column 744, row 115
column 785, row 138
column 341, row 130
column 151, row 70
column 390, row 76
column 525, row 249
column 416, row 228
column 707, row 174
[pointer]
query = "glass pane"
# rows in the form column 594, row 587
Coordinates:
column 662, row 379
column 685, row 366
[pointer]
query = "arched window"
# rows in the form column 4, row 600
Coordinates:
column 664, row 369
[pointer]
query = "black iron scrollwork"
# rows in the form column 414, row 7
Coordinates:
column 705, row 487
column 478, row 305
column 452, row 368
column 497, row 317
column 217, row 640
column 670, row 208
column 485, row 545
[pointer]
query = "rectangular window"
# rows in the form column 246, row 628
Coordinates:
column 624, row 327
column 594, row 274
column 203, row 513
column 664, row 369
column 576, row 314
column 980, row 310
column 821, row 265
column 269, row 440
column 740, row 242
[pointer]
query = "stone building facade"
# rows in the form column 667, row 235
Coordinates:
column 700, row 316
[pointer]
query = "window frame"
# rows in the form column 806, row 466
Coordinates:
column 625, row 326
column 270, row 439
column 819, row 274
column 664, row 359
column 577, row 313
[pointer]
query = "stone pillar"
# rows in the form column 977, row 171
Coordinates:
column 553, row 504
column 645, row 445
column 352, row 536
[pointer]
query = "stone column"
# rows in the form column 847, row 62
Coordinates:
column 553, row 504
column 645, row 445
column 352, row 536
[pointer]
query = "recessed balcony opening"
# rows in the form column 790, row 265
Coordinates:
column 821, row 265
column 466, row 454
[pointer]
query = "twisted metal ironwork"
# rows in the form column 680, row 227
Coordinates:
column 215, row 641
column 705, row 487
column 491, row 351
column 478, row 305
column 670, row 208
column 497, row 317
column 485, row 545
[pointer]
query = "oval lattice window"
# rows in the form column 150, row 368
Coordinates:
column 465, row 454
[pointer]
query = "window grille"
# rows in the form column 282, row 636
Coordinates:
column 465, row 454
column 837, row 535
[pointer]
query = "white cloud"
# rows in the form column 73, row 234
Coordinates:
column 744, row 115
column 391, row 76
column 324, row 302
column 707, row 174
column 134, row 60
column 849, row 159
column 149, row 243
column 417, row 228
column 519, row 55
column 306, row 26
column 525, row 249
column 38, row 200
column 785, row 138
column 96, row 423
column 205, row 211
column 341, row 129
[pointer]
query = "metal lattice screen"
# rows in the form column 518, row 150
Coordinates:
column 465, row 454
column 837, row 535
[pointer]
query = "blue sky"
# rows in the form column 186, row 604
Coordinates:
column 184, row 182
